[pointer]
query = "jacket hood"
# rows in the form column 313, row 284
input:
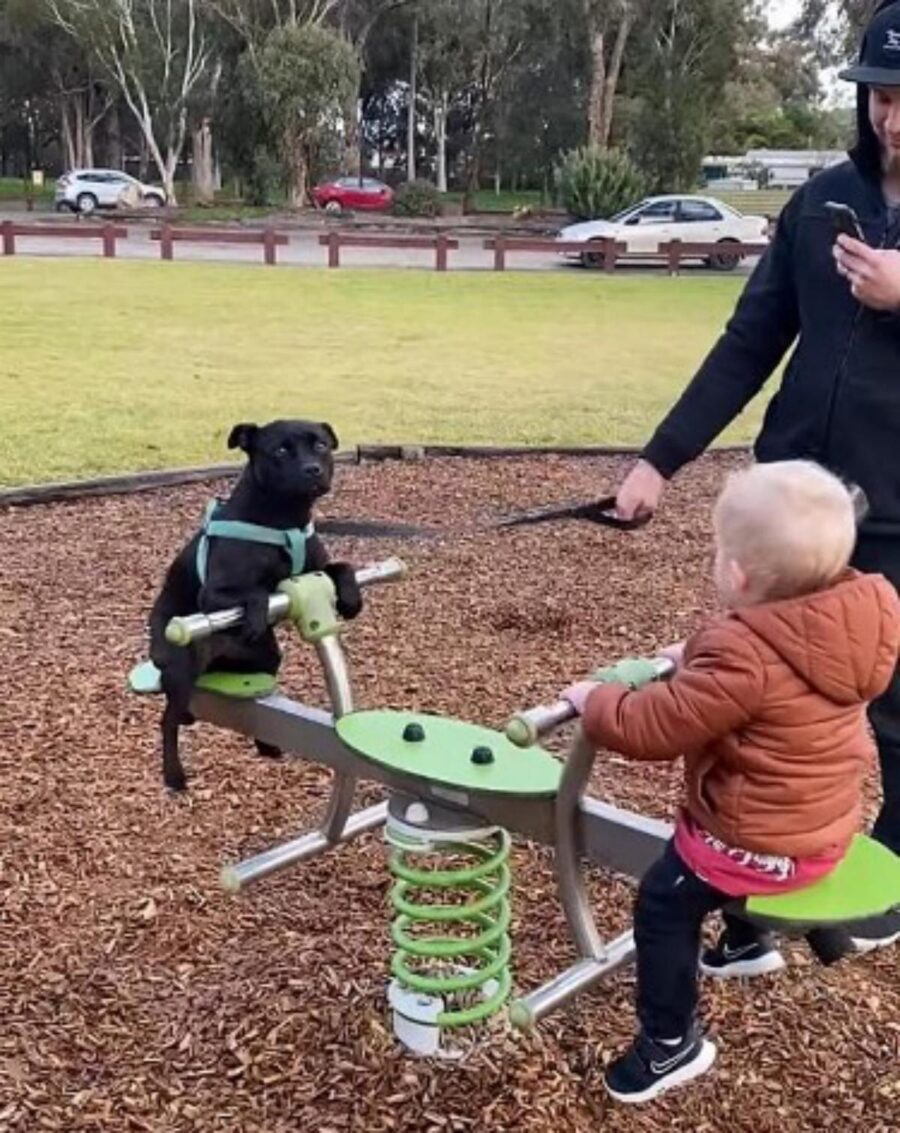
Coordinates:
column 860, row 614
column 866, row 152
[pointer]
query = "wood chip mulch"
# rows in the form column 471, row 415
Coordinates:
column 135, row 995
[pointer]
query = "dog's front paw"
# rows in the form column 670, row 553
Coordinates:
column 349, row 599
column 270, row 751
column 176, row 781
column 350, row 606
column 255, row 625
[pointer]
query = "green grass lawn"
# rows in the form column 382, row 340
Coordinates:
column 119, row 366
column 486, row 200
column 15, row 189
column 220, row 213
column 763, row 202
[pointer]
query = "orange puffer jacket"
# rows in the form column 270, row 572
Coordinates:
column 769, row 710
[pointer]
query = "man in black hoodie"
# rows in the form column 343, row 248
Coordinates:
column 838, row 304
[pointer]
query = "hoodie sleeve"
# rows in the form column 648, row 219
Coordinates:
column 762, row 328
column 715, row 692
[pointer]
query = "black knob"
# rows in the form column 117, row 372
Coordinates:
column 482, row 755
column 414, row 733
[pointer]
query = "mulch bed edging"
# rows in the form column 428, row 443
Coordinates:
column 29, row 495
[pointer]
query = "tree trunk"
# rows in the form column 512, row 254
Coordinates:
column 473, row 172
column 175, row 141
column 85, row 124
column 114, row 154
column 350, row 159
column 440, row 132
column 411, row 109
column 67, row 135
column 202, row 167
column 299, row 174
column 77, row 130
column 80, row 132
column 611, row 84
column 605, row 78
column 33, row 151
column 143, row 158
column 598, row 85
column 168, row 177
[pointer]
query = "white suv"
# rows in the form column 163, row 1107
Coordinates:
column 86, row 190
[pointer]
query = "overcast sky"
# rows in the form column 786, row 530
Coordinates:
column 781, row 12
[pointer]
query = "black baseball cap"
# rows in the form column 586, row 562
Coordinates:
column 879, row 57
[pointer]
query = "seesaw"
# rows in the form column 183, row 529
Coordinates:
column 456, row 793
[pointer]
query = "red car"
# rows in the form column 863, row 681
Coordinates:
column 353, row 193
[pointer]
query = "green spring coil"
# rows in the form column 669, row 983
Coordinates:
column 456, row 964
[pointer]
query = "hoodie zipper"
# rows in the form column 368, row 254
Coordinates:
column 841, row 374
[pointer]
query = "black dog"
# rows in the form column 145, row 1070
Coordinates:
column 290, row 466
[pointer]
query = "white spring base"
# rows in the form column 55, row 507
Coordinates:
column 414, row 1015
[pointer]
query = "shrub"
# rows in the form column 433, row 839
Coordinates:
column 417, row 198
column 592, row 182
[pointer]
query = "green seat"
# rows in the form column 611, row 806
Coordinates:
column 451, row 753
column 865, row 885
column 144, row 679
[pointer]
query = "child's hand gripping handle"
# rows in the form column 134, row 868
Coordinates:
column 527, row 727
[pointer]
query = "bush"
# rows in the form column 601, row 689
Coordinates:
column 417, row 198
column 265, row 179
column 592, row 182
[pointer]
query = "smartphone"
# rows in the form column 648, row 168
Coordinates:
column 844, row 220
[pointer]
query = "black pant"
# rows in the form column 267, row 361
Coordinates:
column 672, row 904
column 882, row 555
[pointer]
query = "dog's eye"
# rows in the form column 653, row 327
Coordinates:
column 320, row 446
column 282, row 450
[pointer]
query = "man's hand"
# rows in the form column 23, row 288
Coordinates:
column 640, row 492
column 873, row 273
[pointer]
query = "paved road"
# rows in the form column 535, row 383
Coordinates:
column 304, row 250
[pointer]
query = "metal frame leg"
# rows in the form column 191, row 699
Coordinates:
column 339, row 824
column 572, row 892
column 235, row 877
column 337, row 679
column 526, row 1012
column 596, row 957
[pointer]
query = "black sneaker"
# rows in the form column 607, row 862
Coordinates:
column 726, row 960
column 649, row 1068
column 880, row 932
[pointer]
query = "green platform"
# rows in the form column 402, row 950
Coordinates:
column 866, row 884
column 444, row 756
column 145, row 680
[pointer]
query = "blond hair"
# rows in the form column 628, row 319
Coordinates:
column 790, row 526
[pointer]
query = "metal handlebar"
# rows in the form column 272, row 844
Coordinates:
column 527, row 727
column 196, row 627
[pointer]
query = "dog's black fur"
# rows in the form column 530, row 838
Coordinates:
column 290, row 466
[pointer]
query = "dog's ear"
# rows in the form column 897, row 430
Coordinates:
column 329, row 433
column 243, row 437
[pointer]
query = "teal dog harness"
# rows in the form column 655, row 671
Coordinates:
column 292, row 540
